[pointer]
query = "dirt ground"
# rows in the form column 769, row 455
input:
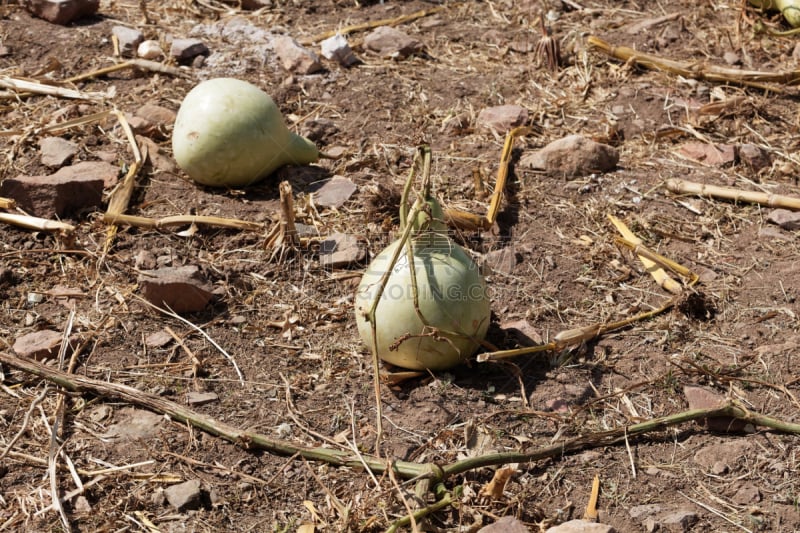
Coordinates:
column 288, row 323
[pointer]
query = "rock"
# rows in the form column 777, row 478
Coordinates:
column 149, row 49
column 640, row 512
column 788, row 220
column 61, row 11
column 703, row 398
column 681, row 520
column 723, row 456
column 716, row 155
column 573, row 155
column 181, row 289
column 393, row 43
column 134, row 424
column 507, row 524
column 732, row 58
column 341, row 250
column 501, row 261
column 334, row 192
column 336, row 49
column 201, row 398
column 772, row 234
column 294, row 57
column 57, row 151
column 184, row 496
column 754, row 157
column 581, row 526
column 152, row 121
column 129, row 39
column 502, row 118
column 748, row 494
column 43, row 344
column 319, row 128
column 81, row 505
column 523, row 331
column 186, row 50
column 159, row 339
column 71, row 189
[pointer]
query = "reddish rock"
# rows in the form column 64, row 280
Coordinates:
column 186, row 50
column 129, row 39
column 334, row 192
column 56, row 151
column 788, row 220
column 703, row 398
column 152, row 121
column 502, row 118
column 523, row 331
column 341, row 250
column 507, row 524
column 501, row 261
column 581, row 526
column 716, row 155
column 294, row 57
column 71, row 189
column 61, row 11
column 42, row 344
column 181, row 289
column 391, row 42
column 573, row 155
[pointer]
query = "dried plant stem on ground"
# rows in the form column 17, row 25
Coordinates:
column 7, row 203
column 698, row 70
column 678, row 186
column 33, row 87
column 36, row 223
column 181, row 220
column 404, row 469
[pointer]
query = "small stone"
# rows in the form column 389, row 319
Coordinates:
column 581, row 526
column 523, row 331
column 507, row 524
column 134, row 424
column 681, row 520
column 573, row 155
column 159, row 339
column 201, row 398
column 336, row 49
column 754, row 157
column 39, row 345
column 129, row 39
column 501, row 261
column 294, row 57
column 341, row 250
column 703, row 398
column 81, row 505
column 721, row 457
column 788, row 220
column 771, row 234
column 393, row 43
column 334, row 192
column 61, row 12
column 184, row 496
column 186, row 50
column 57, row 151
column 181, row 289
column 502, row 118
column 71, row 189
column 152, row 121
column 748, row 494
column 732, row 58
column 716, row 155
column 640, row 512
column 149, row 49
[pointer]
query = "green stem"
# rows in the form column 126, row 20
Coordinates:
column 445, row 501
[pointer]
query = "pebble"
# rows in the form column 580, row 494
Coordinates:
column 788, row 220
column 502, row 118
column 392, row 43
column 294, row 57
column 581, row 526
column 181, row 289
column 716, row 155
column 184, row 496
column 334, row 192
column 506, row 524
column 502, row 261
column 573, row 156
column 61, row 12
column 39, row 345
column 201, row 398
column 337, row 49
column 57, row 151
column 341, row 250
column 186, row 50
column 703, row 398
column 149, row 49
column 754, row 157
column 129, row 39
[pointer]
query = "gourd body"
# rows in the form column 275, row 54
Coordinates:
column 230, row 133
column 452, row 299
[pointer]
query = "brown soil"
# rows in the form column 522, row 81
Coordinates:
column 288, row 323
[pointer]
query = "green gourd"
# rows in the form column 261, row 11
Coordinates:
column 452, row 298
column 230, row 133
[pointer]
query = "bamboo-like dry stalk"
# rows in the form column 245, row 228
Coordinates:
column 698, row 70
column 122, row 194
column 7, row 203
column 659, row 274
column 677, row 268
column 182, row 220
column 28, row 86
column 142, row 64
column 679, row 186
column 347, row 30
column 35, row 223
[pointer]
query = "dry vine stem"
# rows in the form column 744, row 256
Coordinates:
column 698, row 70
column 436, row 474
column 729, row 193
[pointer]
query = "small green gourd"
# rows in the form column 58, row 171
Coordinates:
column 230, row 133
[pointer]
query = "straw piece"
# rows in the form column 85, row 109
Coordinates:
column 659, row 274
column 181, row 220
column 29, row 86
column 8, row 203
column 35, row 223
column 736, row 195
